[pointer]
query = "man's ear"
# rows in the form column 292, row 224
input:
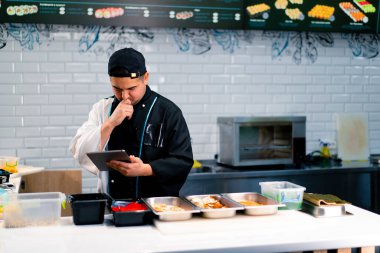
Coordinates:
column 146, row 78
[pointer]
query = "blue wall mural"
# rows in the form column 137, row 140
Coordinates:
column 300, row 46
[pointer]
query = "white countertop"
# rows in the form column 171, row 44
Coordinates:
column 286, row 231
column 23, row 170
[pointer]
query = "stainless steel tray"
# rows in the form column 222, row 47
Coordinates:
column 268, row 206
column 230, row 206
column 189, row 209
column 324, row 211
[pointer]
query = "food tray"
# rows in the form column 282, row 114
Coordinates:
column 268, row 206
column 189, row 209
column 230, row 206
column 323, row 211
column 130, row 217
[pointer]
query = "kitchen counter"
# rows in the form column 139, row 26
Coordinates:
column 212, row 169
column 287, row 231
column 361, row 177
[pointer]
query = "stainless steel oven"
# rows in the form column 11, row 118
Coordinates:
column 249, row 141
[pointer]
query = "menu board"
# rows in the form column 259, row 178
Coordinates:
column 293, row 15
column 217, row 14
column 306, row 15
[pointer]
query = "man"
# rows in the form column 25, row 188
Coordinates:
column 147, row 125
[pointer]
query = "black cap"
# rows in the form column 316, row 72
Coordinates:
column 126, row 62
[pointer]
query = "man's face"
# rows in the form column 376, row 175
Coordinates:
column 126, row 88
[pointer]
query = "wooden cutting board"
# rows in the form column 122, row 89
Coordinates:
column 352, row 136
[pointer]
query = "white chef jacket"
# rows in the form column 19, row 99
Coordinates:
column 87, row 139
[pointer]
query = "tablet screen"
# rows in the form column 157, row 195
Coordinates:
column 100, row 159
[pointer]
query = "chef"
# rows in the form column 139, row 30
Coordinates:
column 150, row 127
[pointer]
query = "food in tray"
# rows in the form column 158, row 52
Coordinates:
column 250, row 203
column 323, row 199
column 208, row 202
column 294, row 14
column 365, row 6
column 254, row 203
column 281, row 4
column 171, row 208
column 352, row 12
column 296, row 1
column 323, row 12
column 254, row 10
column 128, row 207
column 160, row 207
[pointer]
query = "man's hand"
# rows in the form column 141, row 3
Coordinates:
column 131, row 169
column 123, row 110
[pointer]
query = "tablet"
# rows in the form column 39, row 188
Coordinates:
column 100, row 159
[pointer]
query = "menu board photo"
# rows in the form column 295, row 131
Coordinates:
column 321, row 15
column 223, row 14
column 292, row 15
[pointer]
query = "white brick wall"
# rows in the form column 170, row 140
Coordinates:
column 46, row 93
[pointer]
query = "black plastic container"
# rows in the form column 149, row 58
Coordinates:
column 4, row 176
column 131, row 218
column 88, row 208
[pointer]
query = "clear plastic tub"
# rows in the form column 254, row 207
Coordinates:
column 32, row 209
column 285, row 193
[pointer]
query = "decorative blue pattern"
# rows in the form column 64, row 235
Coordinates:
column 116, row 37
column 199, row 40
column 29, row 34
column 90, row 37
column 229, row 40
column 300, row 46
column 363, row 45
column 3, row 36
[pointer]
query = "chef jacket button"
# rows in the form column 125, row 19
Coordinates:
column 112, row 181
column 143, row 105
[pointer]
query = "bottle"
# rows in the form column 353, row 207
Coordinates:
column 325, row 151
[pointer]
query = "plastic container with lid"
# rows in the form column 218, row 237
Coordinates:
column 88, row 208
column 32, row 209
column 285, row 193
